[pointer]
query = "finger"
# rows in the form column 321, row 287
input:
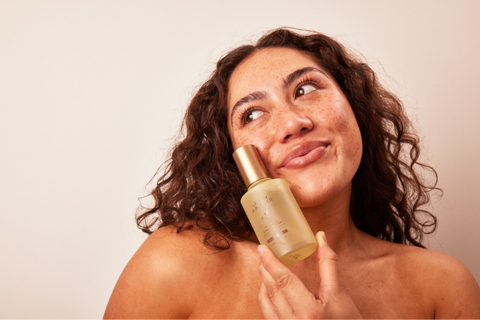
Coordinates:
column 266, row 304
column 278, row 301
column 284, row 284
column 328, row 266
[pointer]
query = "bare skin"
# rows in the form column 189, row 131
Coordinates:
column 175, row 276
column 291, row 102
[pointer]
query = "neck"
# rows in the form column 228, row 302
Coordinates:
column 335, row 220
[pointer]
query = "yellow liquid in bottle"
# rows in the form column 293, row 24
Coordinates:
column 278, row 221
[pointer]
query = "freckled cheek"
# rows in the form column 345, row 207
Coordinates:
column 339, row 120
column 358, row 149
column 353, row 138
column 239, row 138
column 333, row 119
column 261, row 144
column 244, row 139
column 261, row 136
column 239, row 141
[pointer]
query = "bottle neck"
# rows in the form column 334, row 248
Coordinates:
column 258, row 182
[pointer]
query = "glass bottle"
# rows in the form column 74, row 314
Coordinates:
column 273, row 212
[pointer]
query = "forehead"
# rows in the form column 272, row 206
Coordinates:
column 265, row 68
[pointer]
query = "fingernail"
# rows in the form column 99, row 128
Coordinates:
column 324, row 237
column 260, row 250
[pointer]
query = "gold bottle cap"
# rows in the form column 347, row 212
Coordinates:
column 249, row 164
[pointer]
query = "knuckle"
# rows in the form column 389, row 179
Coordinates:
column 283, row 280
column 330, row 256
column 272, row 291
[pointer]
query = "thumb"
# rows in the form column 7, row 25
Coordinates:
column 328, row 268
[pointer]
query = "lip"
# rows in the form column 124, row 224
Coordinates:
column 304, row 154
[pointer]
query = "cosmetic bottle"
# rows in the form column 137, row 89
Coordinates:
column 273, row 212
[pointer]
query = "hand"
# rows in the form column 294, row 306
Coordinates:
column 282, row 295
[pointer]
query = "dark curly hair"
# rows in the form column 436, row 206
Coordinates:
column 201, row 187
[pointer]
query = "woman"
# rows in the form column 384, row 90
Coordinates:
column 321, row 121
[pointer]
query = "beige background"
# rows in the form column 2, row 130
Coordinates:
column 92, row 92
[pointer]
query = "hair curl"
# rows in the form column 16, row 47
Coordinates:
column 201, row 185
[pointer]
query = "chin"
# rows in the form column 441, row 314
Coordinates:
column 319, row 194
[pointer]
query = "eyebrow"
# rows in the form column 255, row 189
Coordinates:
column 300, row 72
column 259, row 95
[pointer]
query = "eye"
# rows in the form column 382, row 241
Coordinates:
column 304, row 89
column 251, row 115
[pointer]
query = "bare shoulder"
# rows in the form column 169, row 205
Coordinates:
column 146, row 287
column 451, row 287
column 174, row 275
column 157, row 282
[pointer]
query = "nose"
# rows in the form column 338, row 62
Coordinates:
column 292, row 123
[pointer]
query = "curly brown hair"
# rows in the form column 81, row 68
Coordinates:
column 201, row 185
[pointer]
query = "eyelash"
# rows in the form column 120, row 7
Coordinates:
column 246, row 113
column 306, row 80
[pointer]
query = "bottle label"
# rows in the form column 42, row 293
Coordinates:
column 277, row 219
column 277, row 235
column 259, row 203
column 271, row 210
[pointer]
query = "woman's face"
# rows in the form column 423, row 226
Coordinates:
column 298, row 118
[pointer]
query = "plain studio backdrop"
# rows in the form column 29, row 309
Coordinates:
column 92, row 94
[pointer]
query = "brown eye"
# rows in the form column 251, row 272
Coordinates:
column 252, row 115
column 305, row 89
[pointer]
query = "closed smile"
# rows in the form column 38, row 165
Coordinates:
column 304, row 154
